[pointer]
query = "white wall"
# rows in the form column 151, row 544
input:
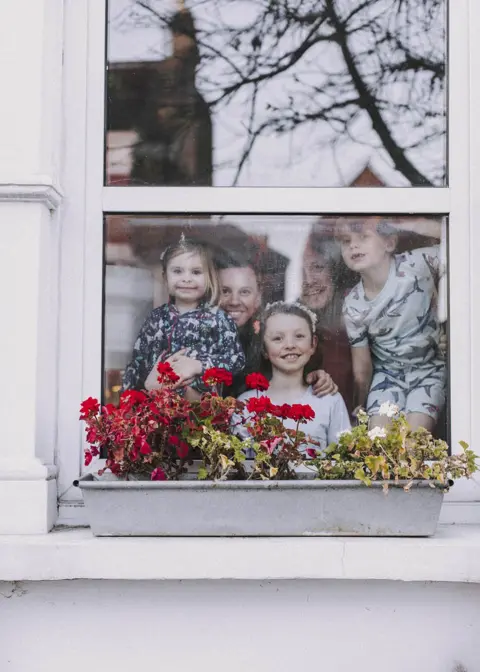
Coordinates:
column 324, row 626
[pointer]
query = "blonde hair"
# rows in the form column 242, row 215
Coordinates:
column 379, row 225
column 185, row 246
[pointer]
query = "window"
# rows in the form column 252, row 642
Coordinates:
column 150, row 177
column 314, row 260
column 238, row 93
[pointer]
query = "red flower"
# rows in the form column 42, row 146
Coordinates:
column 311, row 452
column 88, row 408
column 282, row 411
column 174, row 440
column 301, row 412
column 132, row 397
column 259, row 405
column 158, row 475
column 166, row 373
column 255, row 381
column 88, row 457
column 217, row 376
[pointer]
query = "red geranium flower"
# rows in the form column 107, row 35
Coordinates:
column 88, row 408
column 158, row 475
column 282, row 411
column 259, row 405
column 301, row 412
column 311, row 452
column 88, row 457
column 217, row 376
column 132, row 397
column 166, row 374
column 255, row 381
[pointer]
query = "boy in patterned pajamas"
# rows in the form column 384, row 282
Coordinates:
column 391, row 320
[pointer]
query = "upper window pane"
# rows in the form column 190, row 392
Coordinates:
column 276, row 93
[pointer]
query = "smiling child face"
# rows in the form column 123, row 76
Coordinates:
column 288, row 342
column 186, row 279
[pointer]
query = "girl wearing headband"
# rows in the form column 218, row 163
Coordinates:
column 288, row 341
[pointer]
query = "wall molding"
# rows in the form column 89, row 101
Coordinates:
column 35, row 189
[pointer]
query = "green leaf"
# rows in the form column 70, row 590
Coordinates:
column 374, row 463
column 360, row 475
column 202, row 474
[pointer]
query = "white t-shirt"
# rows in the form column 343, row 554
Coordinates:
column 331, row 415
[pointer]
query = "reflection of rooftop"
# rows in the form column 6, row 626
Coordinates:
column 367, row 178
column 374, row 173
column 159, row 127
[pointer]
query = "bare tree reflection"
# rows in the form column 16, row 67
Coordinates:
column 369, row 72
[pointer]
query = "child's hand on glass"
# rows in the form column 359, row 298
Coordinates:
column 322, row 383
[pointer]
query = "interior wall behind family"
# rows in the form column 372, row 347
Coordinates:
column 370, row 291
column 254, row 93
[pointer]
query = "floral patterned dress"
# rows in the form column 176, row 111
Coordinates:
column 207, row 333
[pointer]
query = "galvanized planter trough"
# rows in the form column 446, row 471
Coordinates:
column 259, row 508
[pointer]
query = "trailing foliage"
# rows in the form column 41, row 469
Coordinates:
column 392, row 453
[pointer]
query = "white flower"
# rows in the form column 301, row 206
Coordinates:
column 343, row 433
column 388, row 409
column 377, row 433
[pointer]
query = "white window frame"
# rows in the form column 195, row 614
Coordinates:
column 81, row 305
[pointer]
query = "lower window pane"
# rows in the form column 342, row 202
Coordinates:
column 374, row 289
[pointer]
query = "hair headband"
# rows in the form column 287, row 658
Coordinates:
column 296, row 304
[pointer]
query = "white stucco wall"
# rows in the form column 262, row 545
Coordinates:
column 279, row 626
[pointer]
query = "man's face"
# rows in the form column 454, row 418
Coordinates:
column 240, row 294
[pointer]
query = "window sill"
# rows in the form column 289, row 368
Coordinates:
column 453, row 555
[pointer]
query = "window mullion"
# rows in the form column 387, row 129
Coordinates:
column 276, row 200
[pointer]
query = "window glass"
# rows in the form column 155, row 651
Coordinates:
column 255, row 93
column 374, row 287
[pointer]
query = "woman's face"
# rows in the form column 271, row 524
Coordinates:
column 288, row 342
column 317, row 287
column 240, row 294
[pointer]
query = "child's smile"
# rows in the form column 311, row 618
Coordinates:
column 288, row 342
column 186, row 278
